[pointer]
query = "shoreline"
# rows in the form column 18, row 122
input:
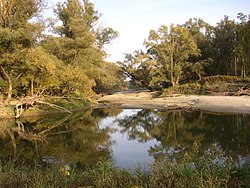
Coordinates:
column 150, row 100
column 146, row 100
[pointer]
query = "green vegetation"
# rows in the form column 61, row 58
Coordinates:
column 67, row 61
column 66, row 56
column 213, row 85
column 182, row 53
column 212, row 169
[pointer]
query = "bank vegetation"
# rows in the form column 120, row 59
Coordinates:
column 64, row 57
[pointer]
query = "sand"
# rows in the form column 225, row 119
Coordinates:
column 149, row 100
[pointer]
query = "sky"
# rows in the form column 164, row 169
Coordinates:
column 133, row 19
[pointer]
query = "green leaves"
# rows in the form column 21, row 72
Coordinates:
column 171, row 48
column 80, row 48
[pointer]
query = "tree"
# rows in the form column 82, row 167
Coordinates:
column 243, row 48
column 171, row 48
column 110, row 79
column 79, row 46
column 202, row 33
column 105, row 36
column 17, row 35
column 139, row 68
column 225, row 42
column 43, row 71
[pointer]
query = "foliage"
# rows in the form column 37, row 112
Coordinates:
column 140, row 68
column 70, row 62
column 71, row 58
column 84, row 67
column 171, row 48
column 110, row 79
column 191, row 51
column 212, row 85
column 168, row 51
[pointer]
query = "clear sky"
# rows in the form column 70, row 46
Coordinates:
column 134, row 18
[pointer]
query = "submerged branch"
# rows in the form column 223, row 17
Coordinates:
column 54, row 126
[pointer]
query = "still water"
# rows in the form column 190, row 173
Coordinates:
column 127, row 137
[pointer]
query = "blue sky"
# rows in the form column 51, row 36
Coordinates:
column 134, row 18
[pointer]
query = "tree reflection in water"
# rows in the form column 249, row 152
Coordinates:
column 82, row 138
column 66, row 138
column 176, row 131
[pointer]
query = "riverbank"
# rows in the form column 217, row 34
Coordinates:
column 48, row 105
column 152, row 100
column 143, row 100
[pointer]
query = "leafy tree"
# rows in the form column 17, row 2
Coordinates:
column 17, row 35
column 111, row 79
column 105, row 36
column 139, row 68
column 43, row 71
column 202, row 33
column 168, row 54
column 171, row 48
column 80, row 46
column 225, row 42
column 243, row 48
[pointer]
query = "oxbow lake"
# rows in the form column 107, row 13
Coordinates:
column 127, row 137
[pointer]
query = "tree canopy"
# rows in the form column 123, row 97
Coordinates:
column 70, row 60
column 180, row 53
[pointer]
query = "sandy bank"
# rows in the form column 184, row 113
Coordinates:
column 149, row 100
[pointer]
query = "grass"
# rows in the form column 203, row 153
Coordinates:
column 212, row 169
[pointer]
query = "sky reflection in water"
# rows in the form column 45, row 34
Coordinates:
column 127, row 137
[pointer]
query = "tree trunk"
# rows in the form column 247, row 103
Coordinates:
column 8, row 77
column 171, row 70
column 32, row 87
column 9, row 91
column 235, row 66
column 243, row 71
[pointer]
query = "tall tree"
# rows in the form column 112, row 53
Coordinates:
column 75, row 46
column 243, row 48
column 171, row 48
column 79, row 46
column 202, row 33
column 17, row 35
column 225, row 42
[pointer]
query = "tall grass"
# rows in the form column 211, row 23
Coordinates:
column 211, row 169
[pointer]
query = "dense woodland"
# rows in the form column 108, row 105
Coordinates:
column 181, row 53
column 66, row 56
column 63, row 56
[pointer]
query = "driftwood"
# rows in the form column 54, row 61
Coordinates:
column 243, row 91
column 27, row 102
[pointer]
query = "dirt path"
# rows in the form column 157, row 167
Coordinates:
column 149, row 100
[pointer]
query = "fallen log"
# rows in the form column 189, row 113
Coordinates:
column 243, row 91
column 27, row 102
column 55, row 106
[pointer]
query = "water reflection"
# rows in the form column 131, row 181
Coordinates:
column 65, row 138
column 124, row 136
column 175, row 132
